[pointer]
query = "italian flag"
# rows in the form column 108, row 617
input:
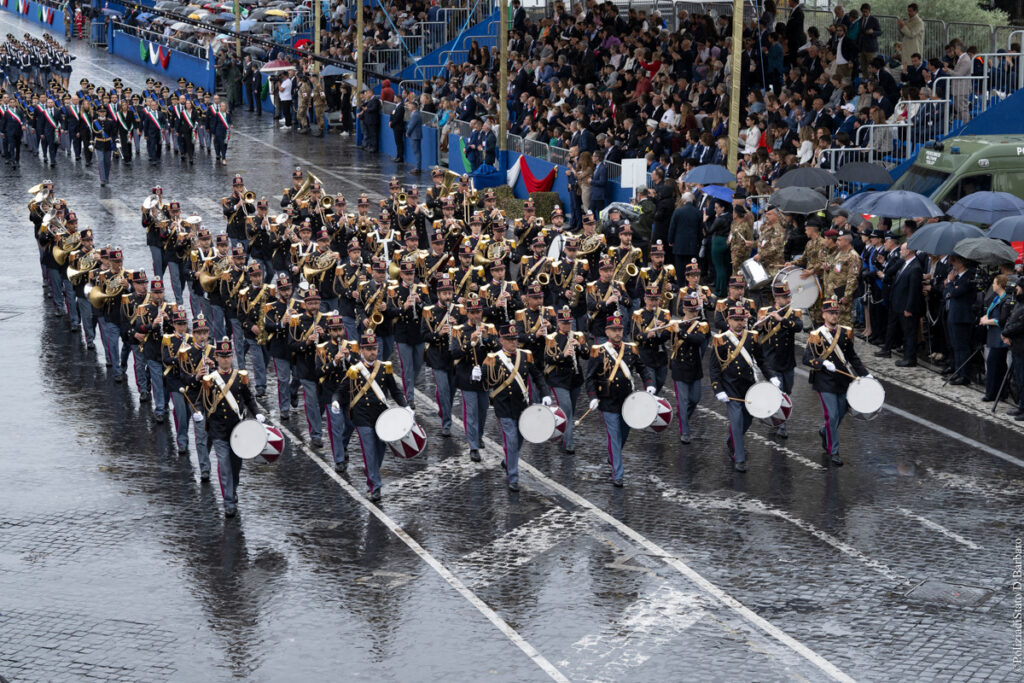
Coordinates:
column 466, row 167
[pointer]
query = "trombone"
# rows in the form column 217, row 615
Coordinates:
column 249, row 204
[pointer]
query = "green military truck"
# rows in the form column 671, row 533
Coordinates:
column 956, row 167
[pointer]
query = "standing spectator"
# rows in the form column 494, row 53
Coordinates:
column 912, row 34
column 284, row 92
column 795, row 36
column 906, row 303
column 347, row 122
column 665, row 201
column 397, row 124
column 1013, row 336
column 583, row 177
column 868, row 30
column 253, row 85
column 719, row 233
column 387, row 94
column 959, row 295
column 684, row 233
column 996, row 314
column 598, row 185
column 518, row 17
column 369, row 116
column 414, row 131
column 489, row 143
column 960, row 89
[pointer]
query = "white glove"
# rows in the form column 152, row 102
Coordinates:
column 197, row 417
column 411, row 411
column 593, row 404
column 476, row 374
column 830, row 366
column 777, row 382
column 722, row 396
column 335, row 407
column 546, row 400
column 261, row 418
column 652, row 391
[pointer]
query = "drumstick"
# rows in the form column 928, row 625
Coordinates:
column 577, row 422
column 741, row 400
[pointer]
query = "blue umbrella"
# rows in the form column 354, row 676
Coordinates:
column 1010, row 229
column 226, row 16
column 331, row 70
column 941, row 238
column 986, row 207
column 708, row 174
column 901, row 204
column 246, row 24
column 854, row 203
column 718, row 192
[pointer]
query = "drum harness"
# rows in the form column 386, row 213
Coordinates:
column 513, row 374
column 610, row 350
column 740, row 350
column 225, row 393
column 371, row 383
column 833, row 346
column 682, row 336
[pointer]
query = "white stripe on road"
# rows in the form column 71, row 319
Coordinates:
column 433, row 562
column 935, row 526
column 652, row 548
column 743, row 503
column 119, row 209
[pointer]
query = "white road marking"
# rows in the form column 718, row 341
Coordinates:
column 653, row 548
column 972, row 485
column 935, row 526
column 754, row 436
column 743, row 503
column 119, row 209
column 452, row 580
column 519, row 547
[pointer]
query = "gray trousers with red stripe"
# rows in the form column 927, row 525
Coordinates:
column 834, row 407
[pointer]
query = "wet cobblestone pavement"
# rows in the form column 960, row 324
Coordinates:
column 117, row 564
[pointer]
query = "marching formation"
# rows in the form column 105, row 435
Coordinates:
column 520, row 316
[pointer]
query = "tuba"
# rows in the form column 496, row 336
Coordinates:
column 300, row 194
column 101, row 294
column 151, row 202
column 320, row 265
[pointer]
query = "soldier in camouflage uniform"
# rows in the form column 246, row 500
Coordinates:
column 813, row 260
column 772, row 245
column 841, row 276
column 319, row 106
column 741, row 239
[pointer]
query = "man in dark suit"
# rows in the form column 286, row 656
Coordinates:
column 913, row 73
column 795, row 36
column 905, row 307
column 489, row 143
column 49, row 130
column 414, row 131
column 684, row 234
column 369, row 116
column 397, row 124
column 474, row 152
column 253, row 85
column 959, row 295
column 598, row 184
column 518, row 17
column 868, row 30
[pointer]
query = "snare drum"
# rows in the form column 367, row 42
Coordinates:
column 763, row 400
column 782, row 414
column 865, row 397
column 398, row 429
column 539, row 423
column 251, row 439
column 641, row 410
column 804, row 292
column 755, row 274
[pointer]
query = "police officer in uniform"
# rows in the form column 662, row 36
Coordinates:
column 506, row 375
column 732, row 365
column 609, row 379
column 833, row 360
column 363, row 394
column 687, row 341
column 650, row 332
column 409, row 297
column 223, row 400
column 152, row 321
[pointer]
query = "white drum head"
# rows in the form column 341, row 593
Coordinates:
column 393, row 424
column 248, row 439
column 865, row 395
column 763, row 400
column 639, row 410
column 537, row 423
column 803, row 292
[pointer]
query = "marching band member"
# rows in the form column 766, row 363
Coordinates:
column 224, row 397
column 609, row 380
column 605, row 300
column 194, row 358
column 471, row 342
column 565, row 353
column 288, row 196
column 781, row 323
column 77, row 259
column 348, row 278
column 230, row 286
column 361, row 396
column 532, row 324
column 252, row 303
column 723, row 307
column 708, row 300
column 833, row 361
column 332, row 362
column 466, row 277
column 650, row 340
column 131, row 306
column 569, row 277
column 221, row 262
column 152, row 320
column 533, row 266
column 733, row 355
column 304, row 333
column 375, row 300
column 437, row 325
column 506, row 374
column 170, row 345
column 408, row 297
column 500, row 296
column 658, row 273
column 277, row 322
column 687, row 342
column 109, row 314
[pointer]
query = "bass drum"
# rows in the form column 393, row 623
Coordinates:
column 865, row 397
column 804, row 291
column 755, row 274
column 251, row 440
column 398, row 428
column 763, row 400
column 539, row 423
column 641, row 410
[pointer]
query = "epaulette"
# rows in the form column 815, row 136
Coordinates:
column 719, row 340
column 797, row 313
column 514, row 286
column 243, row 376
column 480, row 271
column 629, row 344
column 490, row 329
column 321, row 346
column 523, row 260
column 813, row 338
column 592, row 288
column 520, row 315
column 720, row 305
column 762, row 312
column 428, row 312
column 638, row 315
column 489, row 361
column 166, row 341
column 549, row 339
column 528, row 354
column 753, row 335
column 353, row 346
column 352, row 373
column 849, row 332
column 595, row 351
column 670, row 269
column 388, row 368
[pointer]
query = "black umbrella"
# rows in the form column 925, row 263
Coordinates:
column 901, row 204
column 806, row 176
column 1010, row 229
column 798, row 200
column 864, row 172
column 986, row 251
column 941, row 238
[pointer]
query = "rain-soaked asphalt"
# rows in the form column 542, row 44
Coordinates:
column 116, row 563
